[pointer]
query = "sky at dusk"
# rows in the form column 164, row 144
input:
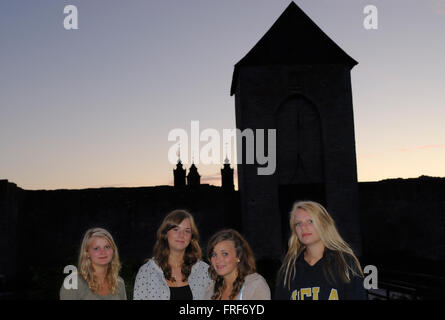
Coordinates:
column 93, row 107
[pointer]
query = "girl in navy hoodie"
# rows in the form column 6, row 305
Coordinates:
column 319, row 264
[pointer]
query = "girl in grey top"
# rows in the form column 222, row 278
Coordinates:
column 84, row 292
column 97, row 276
column 254, row 287
column 233, row 269
column 176, row 271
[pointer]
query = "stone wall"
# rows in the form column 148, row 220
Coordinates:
column 10, row 207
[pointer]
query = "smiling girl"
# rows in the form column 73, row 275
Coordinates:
column 176, row 271
column 233, row 269
column 98, row 270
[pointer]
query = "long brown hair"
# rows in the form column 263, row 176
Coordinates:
column 244, row 253
column 337, row 251
column 86, row 268
column 161, row 250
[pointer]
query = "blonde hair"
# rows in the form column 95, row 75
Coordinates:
column 342, row 255
column 86, row 268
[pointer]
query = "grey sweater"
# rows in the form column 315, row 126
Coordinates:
column 83, row 292
column 150, row 282
column 255, row 287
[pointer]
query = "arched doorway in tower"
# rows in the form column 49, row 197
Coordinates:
column 300, row 161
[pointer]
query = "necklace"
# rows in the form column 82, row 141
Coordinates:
column 176, row 271
column 175, row 276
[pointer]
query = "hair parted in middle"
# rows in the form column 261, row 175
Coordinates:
column 161, row 248
column 340, row 255
column 244, row 253
column 85, row 267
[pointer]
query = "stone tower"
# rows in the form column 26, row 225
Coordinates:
column 227, row 176
column 193, row 178
column 297, row 80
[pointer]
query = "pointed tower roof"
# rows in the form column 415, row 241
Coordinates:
column 193, row 170
column 293, row 39
column 193, row 178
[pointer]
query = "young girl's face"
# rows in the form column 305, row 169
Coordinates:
column 180, row 236
column 100, row 251
column 224, row 259
column 305, row 229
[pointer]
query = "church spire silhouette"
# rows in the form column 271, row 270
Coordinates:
column 227, row 175
column 193, row 178
column 179, row 172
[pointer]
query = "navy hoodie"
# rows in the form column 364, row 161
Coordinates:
column 311, row 282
